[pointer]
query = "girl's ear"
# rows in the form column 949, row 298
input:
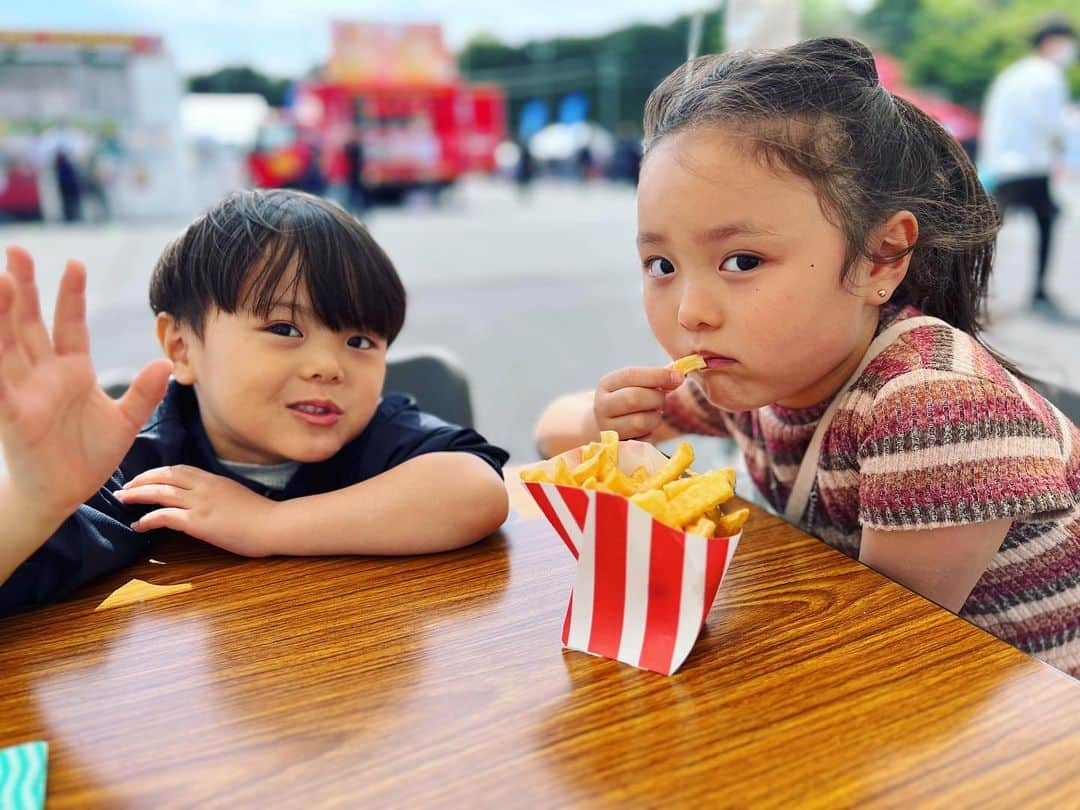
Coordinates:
column 176, row 341
column 891, row 244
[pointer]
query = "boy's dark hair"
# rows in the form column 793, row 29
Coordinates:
column 817, row 109
column 237, row 254
column 1056, row 28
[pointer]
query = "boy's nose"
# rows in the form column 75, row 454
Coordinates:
column 323, row 368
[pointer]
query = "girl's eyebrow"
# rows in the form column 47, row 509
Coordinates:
column 717, row 234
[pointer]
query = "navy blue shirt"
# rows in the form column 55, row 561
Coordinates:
column 98, row 538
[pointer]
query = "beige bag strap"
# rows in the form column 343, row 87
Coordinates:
column 804, row 481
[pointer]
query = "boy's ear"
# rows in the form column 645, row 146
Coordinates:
column 895, row 237
column 176, row 342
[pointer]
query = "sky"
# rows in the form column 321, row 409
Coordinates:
column 287, row 38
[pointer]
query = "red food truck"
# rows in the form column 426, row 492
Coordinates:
column 397, row 89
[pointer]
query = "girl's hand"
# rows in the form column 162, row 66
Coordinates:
column 209, row 507
column 630, row 400
column 62, row 435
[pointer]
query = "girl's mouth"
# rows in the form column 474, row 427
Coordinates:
column 716, row 360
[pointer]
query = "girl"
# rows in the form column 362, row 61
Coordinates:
column 826, row 247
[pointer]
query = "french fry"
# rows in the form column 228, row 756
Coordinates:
column 703, row 528
column 675, row 466
column 654, row 503
column 619, row 482
column 562, row 474
column 609, row 453
column 678, row 486
column 674, row 494
column 588, row 468
column 692, row 362
column 729, row 525
column 708, row 490
column 537, row 474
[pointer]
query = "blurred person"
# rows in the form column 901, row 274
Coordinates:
column 626, row 161
column 274, row 311
column 100, row 172
column 524, row 170
column 1023, row 139
column 585, row 163
column 68, row 184
column 825, row 247
column 354, row 168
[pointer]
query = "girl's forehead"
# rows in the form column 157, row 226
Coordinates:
column 707, row 177
column 709, row 157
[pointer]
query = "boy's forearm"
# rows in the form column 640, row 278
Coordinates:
column 25, row 529
column 435, row 502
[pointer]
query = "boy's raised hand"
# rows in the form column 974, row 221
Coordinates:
column 62, row 435
column 630, row 400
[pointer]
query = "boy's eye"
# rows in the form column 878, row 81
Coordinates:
column 741, row 263
column 658, row 267
column 284, row 329
column 360, row 342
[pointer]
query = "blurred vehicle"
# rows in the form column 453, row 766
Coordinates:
column 18, row 192
column 958, row 121
column 74, row 91
column 558, row 147
column 398, row 90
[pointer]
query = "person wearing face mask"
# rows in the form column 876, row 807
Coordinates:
column 1023, row 138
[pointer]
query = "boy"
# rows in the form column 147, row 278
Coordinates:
column 274, row 310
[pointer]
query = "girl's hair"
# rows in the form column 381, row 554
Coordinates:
column 239, row 253
column 818, row 110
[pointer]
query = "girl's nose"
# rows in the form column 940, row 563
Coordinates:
column 697, row 309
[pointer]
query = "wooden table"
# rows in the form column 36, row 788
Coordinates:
column 439, row 681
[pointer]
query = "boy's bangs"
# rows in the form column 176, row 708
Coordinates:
column 337, row 272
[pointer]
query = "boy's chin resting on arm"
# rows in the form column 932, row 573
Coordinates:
column 433, row 502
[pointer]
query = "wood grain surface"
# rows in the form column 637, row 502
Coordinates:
column 440, row 682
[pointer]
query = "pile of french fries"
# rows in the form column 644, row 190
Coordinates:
column 675, row 495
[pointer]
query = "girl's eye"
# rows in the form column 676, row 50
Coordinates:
column 360, row 342
column 741, row 263
column 284, row 329
column 659, row 267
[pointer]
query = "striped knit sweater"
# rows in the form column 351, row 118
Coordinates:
column 935, row 433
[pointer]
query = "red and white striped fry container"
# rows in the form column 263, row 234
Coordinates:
column 642, row 590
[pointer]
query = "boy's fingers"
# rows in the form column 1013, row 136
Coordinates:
column 8, row 411
column 29, row 328
column 177, row 476
column 13, row 364
column 168, row 518
column 162, row 494
column 7, row 301
column 70, row 333
column 146, row 391
column 666, row 379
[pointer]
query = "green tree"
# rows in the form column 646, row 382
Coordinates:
column 241, row 79
column 616, row 71
column 958, row 46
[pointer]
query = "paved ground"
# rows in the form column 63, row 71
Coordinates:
column 536, row 297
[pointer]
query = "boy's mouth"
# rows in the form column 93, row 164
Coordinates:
column 316, row 411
